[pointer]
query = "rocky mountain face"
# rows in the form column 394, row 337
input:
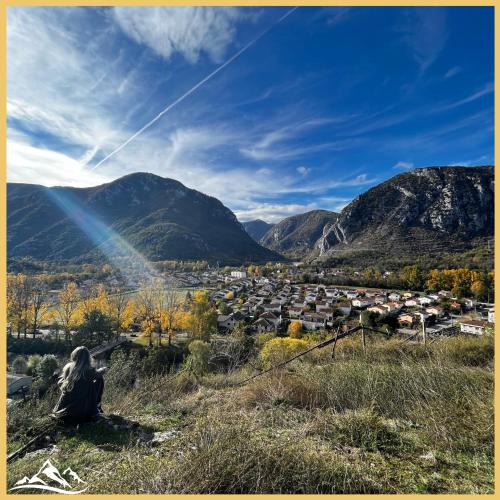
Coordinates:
column 257, row 228
column 428, row 210
column 157, row 217
column 297, row 236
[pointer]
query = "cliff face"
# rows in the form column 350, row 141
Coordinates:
column 427, row 210
column 296, row 236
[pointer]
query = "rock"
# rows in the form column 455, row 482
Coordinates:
column 429, row 456
column 160, row 437
column 44, row 451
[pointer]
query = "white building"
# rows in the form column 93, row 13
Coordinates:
column 491, row 316
column 474, row 326
column 239, row 274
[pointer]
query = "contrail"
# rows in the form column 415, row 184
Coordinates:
column 193, row 89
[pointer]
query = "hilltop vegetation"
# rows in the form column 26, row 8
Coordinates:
column 403, row 418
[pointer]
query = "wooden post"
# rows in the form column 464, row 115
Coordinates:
column 363, row 337
column 424, row 333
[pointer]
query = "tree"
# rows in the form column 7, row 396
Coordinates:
column 67, row 307
column 229, row 296
column 95, row 328
column 224, row 308
column 150, row 303
column 411, row 277
column 169, row 315
column 19, row 365
column 295, row 330
column 121, row 311
column 201, row 320
column 18, row 303
column 37, row 304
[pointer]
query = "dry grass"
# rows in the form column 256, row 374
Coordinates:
column 403, row 419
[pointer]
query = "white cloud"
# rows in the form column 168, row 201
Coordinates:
column 426, row 34
column 28, row 163
column 453, row 71
column 189, row 31
column 485, row 90
column 272, row 212
column 304, row 171
column 405, row 165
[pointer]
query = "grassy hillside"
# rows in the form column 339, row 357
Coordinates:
column 402, row 419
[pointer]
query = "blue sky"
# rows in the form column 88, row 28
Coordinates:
column 305, row 108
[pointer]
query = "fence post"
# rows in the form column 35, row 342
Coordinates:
column 363, row 337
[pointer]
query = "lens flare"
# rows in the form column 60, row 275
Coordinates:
column 133, row 266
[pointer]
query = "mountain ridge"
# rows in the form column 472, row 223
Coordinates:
column 159, row 217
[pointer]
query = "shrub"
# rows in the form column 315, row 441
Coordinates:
column 198, row 359
column 279, row 350
column 19, row 365
column 262, row 338
column 33, row 363
column 47, row 366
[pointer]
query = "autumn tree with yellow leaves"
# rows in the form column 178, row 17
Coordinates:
column 295, row 330
column 67, row 308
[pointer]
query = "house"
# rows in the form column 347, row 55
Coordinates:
column 491, row 316
column 17, row 383
column 425, row 301
column 351, row 294
column 362, row 302
column 228, row 322
column 345, row 308
column 394, row 296
column 407, row 295
column 474, row 326
column 331, row 292
column 272, row 307
column 295, row 312
column 313, row 321
column 322, row 306
column 263, row 325
column 469, row 303
column 435, row 310
column 377, row 309
column 407, row 319
column 225, row 322
column 272, row 318
column 456, row 306
column 392, row 306
column 445, row 294
column 411, row 303
column 380, row 299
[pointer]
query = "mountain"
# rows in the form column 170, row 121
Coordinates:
column 257, row 228
column 158, row 217
column 296, row 236
column 425, row 211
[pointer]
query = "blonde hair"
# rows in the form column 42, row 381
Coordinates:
column 76, row 369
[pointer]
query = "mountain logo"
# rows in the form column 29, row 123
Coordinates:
column 49, row 478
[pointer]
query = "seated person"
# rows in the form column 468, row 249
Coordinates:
column 82, row 387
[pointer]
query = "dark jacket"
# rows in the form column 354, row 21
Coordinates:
column 83, row 400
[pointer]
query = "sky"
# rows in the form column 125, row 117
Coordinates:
column 273, row 110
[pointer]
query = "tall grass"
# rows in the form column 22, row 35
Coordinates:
column 401, row 418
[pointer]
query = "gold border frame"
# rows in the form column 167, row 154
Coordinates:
column 4, row 4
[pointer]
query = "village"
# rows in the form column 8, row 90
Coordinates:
column 269, row 304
